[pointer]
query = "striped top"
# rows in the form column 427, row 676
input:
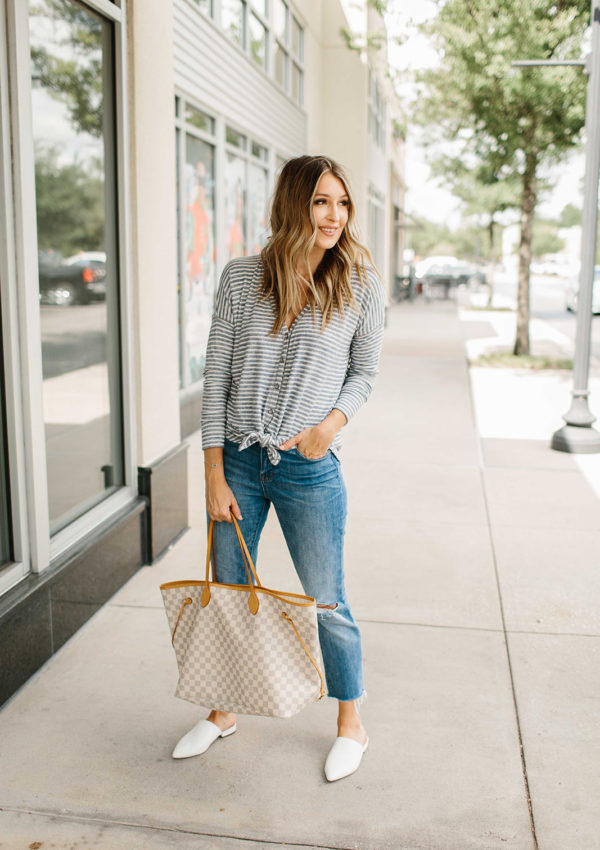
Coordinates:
column 264, row 388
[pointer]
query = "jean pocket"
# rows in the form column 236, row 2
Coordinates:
column 311, row 459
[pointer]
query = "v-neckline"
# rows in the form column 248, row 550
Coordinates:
column 289, row 327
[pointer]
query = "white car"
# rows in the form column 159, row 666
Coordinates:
column 573, row 289
column 423, row 266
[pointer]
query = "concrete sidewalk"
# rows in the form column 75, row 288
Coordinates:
column 472, row 566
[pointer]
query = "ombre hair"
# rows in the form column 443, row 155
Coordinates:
column 293, row 235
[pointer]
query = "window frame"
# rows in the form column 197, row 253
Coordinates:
column 31, row 524
column 14, row 571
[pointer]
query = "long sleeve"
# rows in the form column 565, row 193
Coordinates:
column 217, row 369
column 365, row 350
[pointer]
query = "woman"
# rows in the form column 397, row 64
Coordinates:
column 292, row 354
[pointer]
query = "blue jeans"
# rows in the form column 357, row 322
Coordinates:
column 310, row 501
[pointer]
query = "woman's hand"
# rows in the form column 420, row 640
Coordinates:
column 220, row 501
column 314, row 442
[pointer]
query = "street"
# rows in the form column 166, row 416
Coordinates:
column 72, row 337
column 548, row 303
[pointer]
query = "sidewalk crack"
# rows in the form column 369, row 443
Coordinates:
column 502, row 617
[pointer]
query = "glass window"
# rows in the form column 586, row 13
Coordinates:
column 377, row 111
column 258, row 41
column 5, row 536
column 232, row 20
column 205, row 6
column 297, row 83
column 199, row 275
column 376, row 229
column 235, row 206
column 75, row 185
column 232, row 137
column 199, row 119
column 281, row 66
column 261, row 6
column 297, row 40
column 259, row 151
column 257, row 208
column 280, row 20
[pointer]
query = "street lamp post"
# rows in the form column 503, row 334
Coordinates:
column 578, row 435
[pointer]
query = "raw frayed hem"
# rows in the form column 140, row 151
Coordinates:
column 357, row 702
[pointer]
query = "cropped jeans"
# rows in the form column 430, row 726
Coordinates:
column 309, row 497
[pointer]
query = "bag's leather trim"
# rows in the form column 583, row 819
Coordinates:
column 287, row 617
column 283, row 595
column 187, row 601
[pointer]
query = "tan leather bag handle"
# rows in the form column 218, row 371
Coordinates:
column 251, row 573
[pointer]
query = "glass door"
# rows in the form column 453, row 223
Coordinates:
column 73, row 121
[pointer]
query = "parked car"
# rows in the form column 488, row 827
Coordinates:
column 79, row 279
column 439, row 278
column 573, row 289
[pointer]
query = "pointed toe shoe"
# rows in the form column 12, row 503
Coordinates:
column 344, row 758
column 198, row 740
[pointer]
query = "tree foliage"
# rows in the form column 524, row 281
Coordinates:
column 428, row 238
column 69, row 204
column 75, row 76
column 570, row 216
column 501, row 121
column 545, row 238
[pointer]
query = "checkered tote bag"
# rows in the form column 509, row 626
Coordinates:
column 243, row 647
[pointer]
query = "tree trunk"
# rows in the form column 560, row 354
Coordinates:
column 528, row 200
column 492, row 271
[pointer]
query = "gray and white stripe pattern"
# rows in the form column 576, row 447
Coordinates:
column 264, row 388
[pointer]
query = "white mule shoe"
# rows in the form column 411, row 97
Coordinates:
column 199, row 739
column 344, row 757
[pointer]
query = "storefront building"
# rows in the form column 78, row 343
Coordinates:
column 139, row 146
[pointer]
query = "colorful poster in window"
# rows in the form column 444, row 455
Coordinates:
column 257, row 208
column 199, row 284
column 235, row 204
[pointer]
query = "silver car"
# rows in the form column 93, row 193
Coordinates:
column 573, row 290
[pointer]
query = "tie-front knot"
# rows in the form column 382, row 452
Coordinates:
column 266, row 441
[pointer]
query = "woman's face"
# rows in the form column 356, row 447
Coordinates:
column 330, row 210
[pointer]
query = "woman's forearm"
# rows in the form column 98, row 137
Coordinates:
column 333, row 422
column 213, row 463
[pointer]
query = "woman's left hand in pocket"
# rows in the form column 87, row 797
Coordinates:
column 310, row 442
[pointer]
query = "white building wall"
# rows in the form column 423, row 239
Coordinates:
column 342, row 113
column 154, row 257
column 210, row 68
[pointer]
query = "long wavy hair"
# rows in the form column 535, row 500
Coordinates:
column 293, row 235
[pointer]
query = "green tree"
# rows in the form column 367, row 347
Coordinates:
column 427, row 237
column 570, row 216
column 545, row 238
column 484, row 198
column 510, row 122
column 76, row 76
column 69, row 205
